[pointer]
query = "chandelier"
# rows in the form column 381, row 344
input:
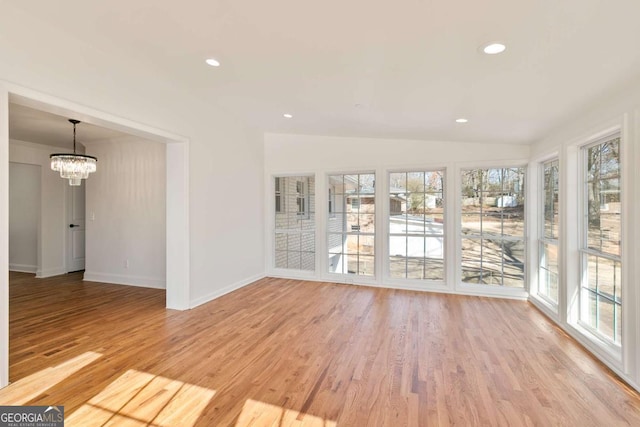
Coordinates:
column 74, row 167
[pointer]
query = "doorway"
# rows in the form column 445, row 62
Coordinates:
column 75, row 231
column 177, row 196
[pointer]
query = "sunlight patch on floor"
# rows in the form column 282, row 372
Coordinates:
column 28, row 388
column 259, row 414
column 140, row 398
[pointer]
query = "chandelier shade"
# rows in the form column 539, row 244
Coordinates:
column 74, row 167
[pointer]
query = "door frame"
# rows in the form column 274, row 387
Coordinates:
column 177, row 196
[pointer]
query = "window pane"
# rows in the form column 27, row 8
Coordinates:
column 294, row 221
column 353, row 213
column 415, row 268
column 398, row 183
column 471, row 272
column 513, row 258
column 293, row 260
column 351, row 245
column 398, row 246
column 602, row 210
column 365, row 265
column 471, row 223
column 471, row 250
column 548, row 275
column 434, row 269
column 415, row 246
column 434, row 247
column 281, row 259
column 397, row 266
column 618, row 318
column 605, row 317
column 434, row 224
column 335, row 243
column 308, row 261
column 550, row 204
column 591, row 300
column 601, row 287
column 336, row 263
column 366, row 245
column 367, row 223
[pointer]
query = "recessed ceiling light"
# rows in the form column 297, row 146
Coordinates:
column 461, row 120
column 213, row 62
column 494, row 48
column 287, row 116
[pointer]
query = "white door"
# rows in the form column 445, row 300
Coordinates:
column 75, row 227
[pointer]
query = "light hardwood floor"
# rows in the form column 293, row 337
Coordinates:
column 293, row 353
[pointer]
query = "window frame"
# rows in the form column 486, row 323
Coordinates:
column 483, row 289
column 341, row 203
column 584, row 251
column 279, row 200
column 300, row 230
column 302, row 198
column 543, row 240
column 444, row 236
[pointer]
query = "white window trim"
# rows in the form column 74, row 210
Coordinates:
column 270, row 230
column 612, row 348
column 475, row 289
column 346, row 277
column 535, row 289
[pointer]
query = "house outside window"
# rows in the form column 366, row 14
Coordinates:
column 302, row 198
column 294, row 235
column 279, row 200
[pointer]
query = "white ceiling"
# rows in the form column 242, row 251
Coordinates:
column 39, row 127
column 413, row 66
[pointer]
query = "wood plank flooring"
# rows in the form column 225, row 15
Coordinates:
column 294, row 353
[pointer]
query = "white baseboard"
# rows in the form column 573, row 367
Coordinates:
column 50, row 272
column 433, row 287
column 23, row 268
column 220, row 292
column 121, row 279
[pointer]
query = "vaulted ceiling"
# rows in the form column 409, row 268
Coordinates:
column 373, row 68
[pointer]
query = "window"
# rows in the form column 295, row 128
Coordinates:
column 295, row 223
column 548, row 242
column 332, row 202
column 351, row 233
column 279, row 204
column 416, row 225
column 302, row 198
column 601, row 287
column 492, row 226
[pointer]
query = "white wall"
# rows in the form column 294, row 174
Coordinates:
column 24, row 216
column 616, row 111
column 125, row 213
column 52, row 206
column 306, row 153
